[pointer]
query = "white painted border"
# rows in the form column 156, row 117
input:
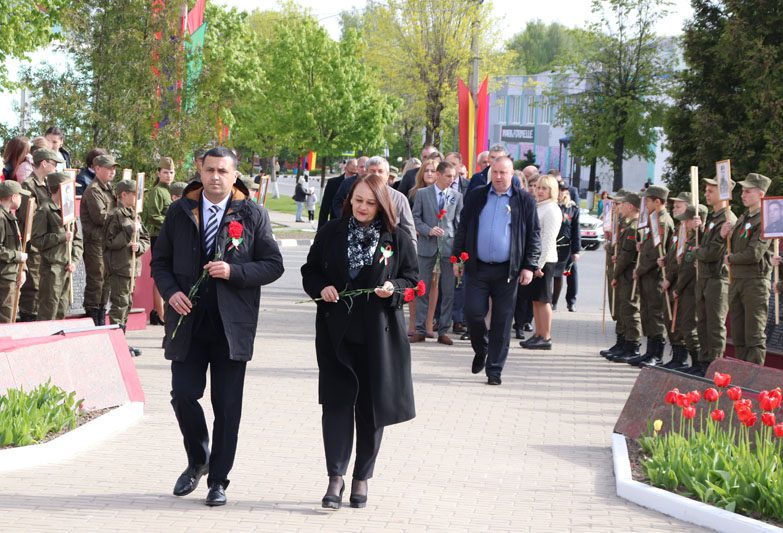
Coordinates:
column 74, row 442
column 292, row 243
column 674, row 505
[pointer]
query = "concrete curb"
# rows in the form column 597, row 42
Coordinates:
column 673, row 505
column 292, row 243
column 74, row 442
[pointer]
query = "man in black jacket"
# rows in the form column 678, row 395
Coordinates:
column 332, row 186
column 408, row 180
column 499, row 231
column 215, row 229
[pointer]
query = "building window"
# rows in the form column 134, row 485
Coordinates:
column 514, row 114
column 500, row 117
column 530, row 115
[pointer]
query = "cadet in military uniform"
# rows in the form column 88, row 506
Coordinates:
column 649, row 277
column 156, row 203
column 45, row 161
column 97, row 202
column 121, row 251
column 609, row 273
column 12, row 257
column 751, row 266
column 51, row 237
column 685, row 289
column 176, row 189
column 627, row 308
column 669, row 262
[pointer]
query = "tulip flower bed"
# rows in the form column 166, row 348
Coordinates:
column 720, row 448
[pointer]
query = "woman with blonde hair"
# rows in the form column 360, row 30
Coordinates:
column 540, row 289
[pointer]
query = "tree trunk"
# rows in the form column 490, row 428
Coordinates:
column 617, row 163
column 273, row 177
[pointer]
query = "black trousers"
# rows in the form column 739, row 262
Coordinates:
column 523, row 309
column 337, row 426
column 227, row 378
column 491, row 281
column 572, row 285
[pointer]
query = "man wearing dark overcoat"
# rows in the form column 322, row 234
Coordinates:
column 214, row 228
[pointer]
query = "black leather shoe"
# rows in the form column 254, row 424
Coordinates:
column 459, row 327
column 465, row 336
column 494, row 380
column 155, row 319
column 216, row 495
column 478, row 363
column 540, row 344
column 333, row 501
column 571, row 309
column 534, row 338
column 188, row 481
column 135, row 352
column 519, row 333
column 527, row 326
column 358, row 501
column 554, row 307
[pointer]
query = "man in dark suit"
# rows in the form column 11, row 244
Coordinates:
column 460, row 183
column 332, row 186
column 409, row 178
column 480, row 179
column 345, row 187
column 499, row 231
column 215, row 228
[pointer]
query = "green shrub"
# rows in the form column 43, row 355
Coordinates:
column 28, row 417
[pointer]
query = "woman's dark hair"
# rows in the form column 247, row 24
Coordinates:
column 15, row 151
column 380, row 189
column 92, row 154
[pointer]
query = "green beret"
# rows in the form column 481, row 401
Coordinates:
column 11, row 187
column 125, row 186
column 759, row 181
column 657, row 191
column 44, row 154
column 54, row 179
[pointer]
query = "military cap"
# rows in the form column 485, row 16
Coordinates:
column 631, row 198
column 106, row 161
column 249, row 183
column 759, row 181
column 690, row 212
column 166, row 163
column 683, row 197
column 56, row 178
column 177, row 188
column 125, row 186
column 617, row 195
column 713, row 182
column 393, row 170
column 44, row 154
column 11, row 187
column 657, row 191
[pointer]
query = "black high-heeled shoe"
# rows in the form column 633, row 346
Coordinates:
column 358, row 501
column 330, row 501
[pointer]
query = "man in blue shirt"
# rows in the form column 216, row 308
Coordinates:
column 499, row 231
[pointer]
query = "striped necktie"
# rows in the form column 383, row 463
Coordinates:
column 210, row 230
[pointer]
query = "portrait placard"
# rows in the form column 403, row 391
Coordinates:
column 607, row 214
column 262, row 189
column 139, row 191
column 127, row 174
column 28, row 220
column 723, row 177
column 695, row 186
column 643, row 215
column 654, row 229
column 772, row 217
column 68, row 199
column 681, row 239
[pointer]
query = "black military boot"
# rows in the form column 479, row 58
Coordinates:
column 618, row 346
column 698, row 368
column 100, row 317
column 134, row 352
column 27, row 317
column 654, row 351
column 657, row 359
column 679, row 356
column 630, row 349
column 625, row 356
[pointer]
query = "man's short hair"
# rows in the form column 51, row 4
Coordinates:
column 377, row 160
column 222, row 151
column 54, row 130
column 456, row 155
column 499, row 148
column 92, row 154
column 198, row 155
column 553, row 172
column 444, row 166
column 435, row 155
column 503, row 158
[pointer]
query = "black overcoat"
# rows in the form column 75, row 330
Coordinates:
column 177, row 263
column 388, row 350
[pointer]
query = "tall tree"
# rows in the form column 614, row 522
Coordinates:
column 625, row 75
column 731, row 97
column 541, row 47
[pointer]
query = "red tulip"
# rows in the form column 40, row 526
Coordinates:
column 735, row 393
column 718, row 415
column 739, row 404
column 779, row 430
column 408, row 295
column 671, row 396
column 420, row 288
column 682, row 400
column 769, row 400
column 464, row 256
column 453, row 259
column 694, row 396
column 768, row 419
column 744, row 412
column 721, row 380
column 711, row 395
column 689, row 412
column 750, row 420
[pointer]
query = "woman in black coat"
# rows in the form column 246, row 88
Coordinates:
column 363, row 353
column 569, row 246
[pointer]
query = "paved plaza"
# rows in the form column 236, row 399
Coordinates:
column 530, row 455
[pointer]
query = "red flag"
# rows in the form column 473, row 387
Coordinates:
column 482, row 118
column 196, row 16
column 464, row 97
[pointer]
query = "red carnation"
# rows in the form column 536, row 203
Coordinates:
column 235, row 229
column 441, row 214
column 453, row 259
column 408, row 295
column 464, row 256
column 768, row 419
column 420, row 288
column 718, row 415
column 734, row 393
column 711, row 395
column 721, row 380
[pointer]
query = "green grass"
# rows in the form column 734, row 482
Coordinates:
column 286, row 204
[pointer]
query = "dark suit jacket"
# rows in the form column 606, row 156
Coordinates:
column 332, row 186
column 525, row 231
column 408, row 181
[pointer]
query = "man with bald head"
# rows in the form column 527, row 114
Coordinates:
column 530, row 171
column 499, row 230
column 480, row 178
column 332, row 186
